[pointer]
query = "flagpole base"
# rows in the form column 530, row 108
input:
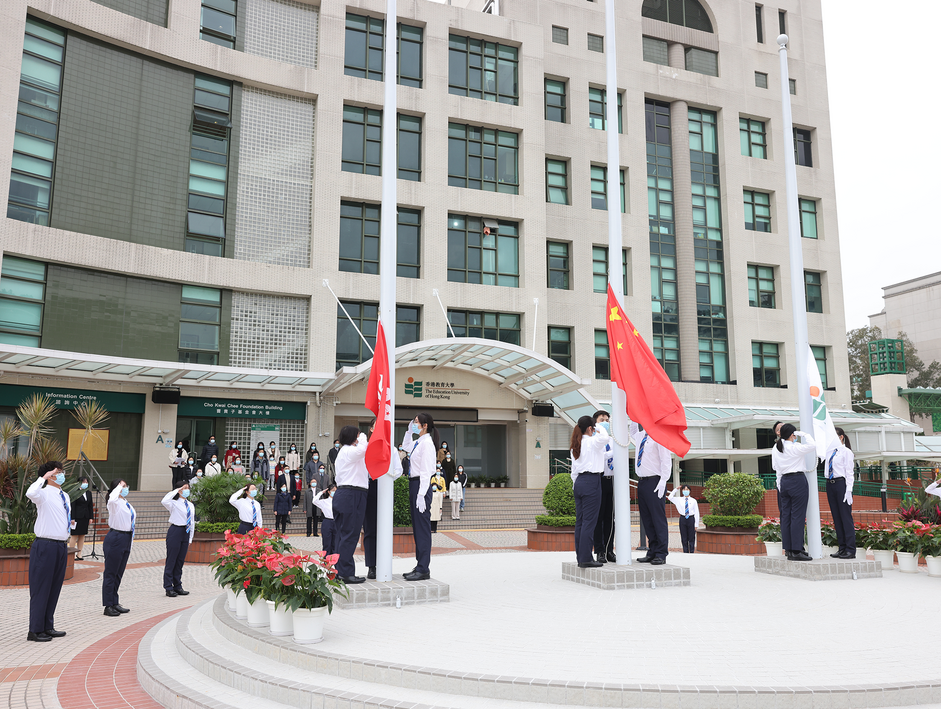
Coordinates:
column 622, row 578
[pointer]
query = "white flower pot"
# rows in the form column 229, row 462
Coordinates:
column 774, row 548
column 308, row 625
column 241, row 606
column 258, row 614
column 934, row 565
column 827, row 550
column 231, row 599
column 886, row 556
column 908, row 562
column 280, row 620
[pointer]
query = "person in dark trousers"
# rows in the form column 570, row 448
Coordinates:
column 83, row 509
column 117, row 546
column 249, row 509
column 324, row 502
column 49, row 551
column 334, row 452
column 423, row 462
column 349, row 504
column 587, row 448
column 209, row 450
column 283, row 504
column 260, row 468
column 311, row 452
column 654, row 466
column 179, row 537
column 310, row 509
column 838, row 471
column 604, row 528
column 462, row 478
column 790, row 460
column 370, row 521
column 689, row 517
column 186, row 473
column 312, row 468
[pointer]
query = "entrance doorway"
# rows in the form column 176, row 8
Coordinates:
column 480, row 448
column 194, row 433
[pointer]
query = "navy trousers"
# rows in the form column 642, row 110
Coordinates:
column 421, row 526
column 604, row 528
column 842, row 515
column 792, row 502
column 653, row 516
column 47, row 561
column 587, row 504
column 328, row 536
column 178, row 543
column 688, row 533
column 370, row 522
column 117, row 548
column 349, row 508
column 245, row 527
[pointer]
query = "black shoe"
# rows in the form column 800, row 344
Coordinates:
column 121, row 609
column 799, row 556
column 181, row 592
column 602, row 558
column 372, row 572
column 38, row 637
column 352, row 579
column 589, row 564
column 612, row 558
column 644, row 559
column 172, row 594
column 53, row 633
column 657, row 561
column 112, row 612
column 846, row 555
column 837, row 555
column 416, row 576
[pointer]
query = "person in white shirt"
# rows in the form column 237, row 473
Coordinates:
column 117, row 546
column 249, row 510
column 934, row 488
column 789, row 460
column 587, row 448
column 423, row 461
column 456, row 493
column 49, row 551
column 838, row 472
column 688, row 508
column 179, row 537
column 604, row 528
column 212, row 467
column 654, row 465
column 324, row 502
column 349, row 504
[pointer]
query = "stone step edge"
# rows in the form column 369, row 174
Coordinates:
column 543, row 690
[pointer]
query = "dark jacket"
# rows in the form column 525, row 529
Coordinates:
column 83, row 506
column 310, row 454
column 448, row 468
column 260, row 466
column 209, row 450
column 312, row 471
column 309, row 509
column 282, row 503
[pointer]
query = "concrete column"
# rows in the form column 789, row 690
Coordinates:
column 533, row 469
column 748, row 439
column 885, row 391
column 685, row 257
column 158, row 429
column 676, row 55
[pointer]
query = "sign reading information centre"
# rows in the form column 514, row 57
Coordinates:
column 113, row 401
column 242, row 408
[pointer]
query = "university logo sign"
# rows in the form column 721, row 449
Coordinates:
column 413, row 388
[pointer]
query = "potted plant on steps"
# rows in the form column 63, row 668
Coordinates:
column 732, row 528
column 770, row 533
column 299, row 590
column 239, row 564
column 931, row 549
column 829, row 539
column 907, row 539
column 880, row 543
column 555, row 530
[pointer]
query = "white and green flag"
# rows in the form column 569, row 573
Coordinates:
column 824, row 432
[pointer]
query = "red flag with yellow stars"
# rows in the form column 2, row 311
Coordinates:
column 651, row 400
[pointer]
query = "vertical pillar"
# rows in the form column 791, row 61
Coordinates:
column 676, row 55
column 154, row 452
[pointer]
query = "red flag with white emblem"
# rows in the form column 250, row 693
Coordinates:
column 379, row 401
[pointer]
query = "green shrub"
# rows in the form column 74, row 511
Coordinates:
column 17, row 541
column 210, row 496
column 734, row 494
column 558, row 497
column 401, row 515
column 556, row 520
column 743, row 521
column 216, row 527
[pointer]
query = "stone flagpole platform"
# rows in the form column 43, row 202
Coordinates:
column 819, row 569
column 612, row 577
column 398, row 591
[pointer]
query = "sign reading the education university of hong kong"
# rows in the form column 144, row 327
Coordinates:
column 242, row 408
column 440, row 390
column 118, row 402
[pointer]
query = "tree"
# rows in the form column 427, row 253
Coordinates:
column 857, row 348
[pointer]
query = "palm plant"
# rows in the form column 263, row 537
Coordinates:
column 89, row 415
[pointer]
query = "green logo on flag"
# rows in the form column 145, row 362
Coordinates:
column 820, row 409
column 413, row 388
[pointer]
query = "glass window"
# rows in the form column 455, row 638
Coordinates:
column 782, row 22
column 595, row 43
column 597, row 109
column 407, row 324
column 557, row 258
column 803, row 155
column 686, row 13
column 757, row 211
column 560, row 345
column 555, row 101
column 483, row 158
column 666, row 348
column 478, row 255
column 359, row 237
column 602, row 355
column 702, row 61
column 761, row 80
column 713, row 360
column 766, row 364
column 200, row 318
column 350, row 348
column 504, row 327
column 218, row 22
column 22, row 295
column 792, row 86
column 560, row 35
column 599, row 269
column 820, row 357
column 409, row 145
column 408, row 250
column 362, row 140
column 813, row 292
column 752, row 137
column 481, row 69
column 655, row 51
column 409, row 56
column 557, row 181
column 362, row 56
column 599, row 188
column 759, row 24
column 761, row 286
column 808, row 211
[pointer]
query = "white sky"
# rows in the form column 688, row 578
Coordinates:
column 882, row 75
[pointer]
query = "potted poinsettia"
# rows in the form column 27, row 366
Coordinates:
column 907, row 540
column 769, row 532
column 880, row 542
column 931, row 547
column 239, row 567
column 829, row 539
column 303, row 586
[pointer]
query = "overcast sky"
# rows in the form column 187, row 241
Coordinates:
column 882, row 75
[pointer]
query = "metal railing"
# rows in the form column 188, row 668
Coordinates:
column 898, row 472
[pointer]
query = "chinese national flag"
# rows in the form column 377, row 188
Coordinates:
column 379, row 401
column 651, row 399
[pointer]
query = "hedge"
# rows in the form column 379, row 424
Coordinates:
column 17, row 541
column 556, row 520
column 216, row 527
column 743, row 521
column 558, row 497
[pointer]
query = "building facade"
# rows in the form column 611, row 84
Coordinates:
column 186, row 175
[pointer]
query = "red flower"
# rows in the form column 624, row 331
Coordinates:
column 332, row 559
column 288, row 580
column 246, row 583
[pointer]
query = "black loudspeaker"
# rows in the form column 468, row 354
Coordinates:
column 165, row 396
column 543, row 410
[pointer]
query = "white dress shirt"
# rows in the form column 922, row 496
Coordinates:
column 656, row 460
column 456, row 491
column 680, row 502
column 423, row 459
column 178, row 509
column 842, row 465
column 351, row 464
column 592, row 456
column 933, row 489
column 121, row 514
column 53, row 517
column 245, row 505
column 794, row 457
column 326, row 506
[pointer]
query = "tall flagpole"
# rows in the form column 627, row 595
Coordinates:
column 387, row 266
column 619, row 423
column 798, row 303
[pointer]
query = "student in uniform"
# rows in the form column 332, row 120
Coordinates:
column 117, row 546
column 587, row 448
column 249, row 510
column 838, row 471
column 324, row 502
column 349, row 503
column 604, row 528
column 423, row 460
column 788, row 458
column 179, row 537
column 654, row 465
column 283, row 504
column 689, row 517
column 83, row 509
column 49, row 551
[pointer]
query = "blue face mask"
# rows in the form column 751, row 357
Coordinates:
column 60, row 478
column 605, row 425
column 332, row 493
column 185, row 493
column 125, row 491
column 685, row 493
column 84, row 486
column 283, row 489
column 253, row 492
column 414, row 428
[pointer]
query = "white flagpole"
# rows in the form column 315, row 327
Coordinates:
column 798, row 303
column 619, row 423
column 387, row 266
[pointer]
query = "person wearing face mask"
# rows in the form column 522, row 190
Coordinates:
column 838, row 471
column 293, row 462
column 689, row 517
column 231, row 454
column 456, row 493
column 179, row 538
column 177, row 460
column 789, row 460
column 209, row 450
column 283, row 504
column 122, row 519
column 604, row 528
column 249, row 509
column 310, row 510
column 654, row 465
column 422, row 456
column 83, row 509
column 49, row 551
column 448, row 466
column 312, row 468
column 260, row 468
column 187, row 473
column 237, row 468
column 212, row 467
column 587, row 446
column 442, row 451
column 324, row 502
column 293, row 459
column 284, row 477
column 196, row 478
column 438, row 487
column 462, row 478
column 274, row 458
column 311, row 452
